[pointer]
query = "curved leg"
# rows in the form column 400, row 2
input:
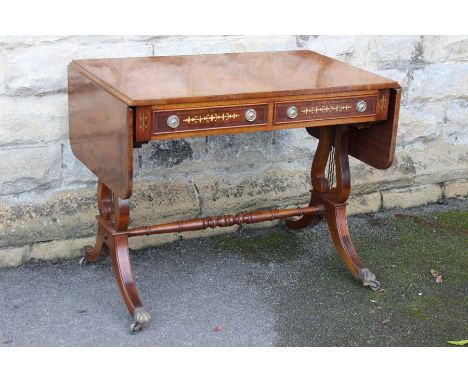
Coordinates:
column 123, row 273
column 92, row 254
column 338, row 226
column 331, row 192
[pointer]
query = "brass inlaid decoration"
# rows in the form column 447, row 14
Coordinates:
column 326, row 109
column 143, row 122
column 383, row 101
column 211, row 118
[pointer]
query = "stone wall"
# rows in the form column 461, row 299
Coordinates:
column 47, row 197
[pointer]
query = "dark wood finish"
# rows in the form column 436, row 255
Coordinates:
column 374, row 144
column 118, row 104
column 205, row 118
column 225, row 221
column 335, row 108
column 101, row 132
column 148, row 81
column 333, row 199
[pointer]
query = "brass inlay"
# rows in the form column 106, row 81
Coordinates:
column 211, row 118
column 143, row 122
column 326, row 109
column 383, row 101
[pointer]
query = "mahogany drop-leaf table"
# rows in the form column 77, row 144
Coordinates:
column 116, row 105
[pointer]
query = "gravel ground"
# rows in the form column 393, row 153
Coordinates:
column 262, row 287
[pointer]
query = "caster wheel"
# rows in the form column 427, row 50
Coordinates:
column 135, row 327
column 368, row 279
column 141, row 319
column 83, row 261
column 374, row 285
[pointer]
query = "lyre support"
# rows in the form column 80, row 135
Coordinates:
column 331, row 191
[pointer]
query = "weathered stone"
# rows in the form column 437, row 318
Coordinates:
column 439, row 81
column 24, row 169
column 395, row 51
column 364, row 204
column 70, row 214
column 411, row 197
column 221, row 44
column 163, row 201
column 32, row 218
column 444, row 49
column 13, row 257
column 455, row 128
column 267, row 187
column 2, row 73
column 59, row 249
column 420, row 123
column 349, row 49
column 33, row 120
column 42, row 68
column 455, row 189
column 73, row 171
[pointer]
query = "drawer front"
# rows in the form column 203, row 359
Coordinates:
column 321, row 109
column 167, row 121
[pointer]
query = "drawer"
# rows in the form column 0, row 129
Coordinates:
column 167, row 121
column 322, row 109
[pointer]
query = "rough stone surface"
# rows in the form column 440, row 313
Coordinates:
column 456, row 189
column 411, row 197
column 364, row 204
column 46, row 194
column 2, row 73
column 13, row 257
column 29, row 168
column 59, row 249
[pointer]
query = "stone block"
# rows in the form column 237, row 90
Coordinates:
column 2, row 72
column 349, row 49
column 13, row 257
column 436, row 82
column 33, row 120
column 446, row 49
column 456, row 189
column 26, row 168
column 455, row 128
column 75, row 173
column 364, row 204
column 252, row 189
column 411, row 197
column 395, row 51
column 42, row 68
column 177, row 45
column 59, row 249
column 420, row 123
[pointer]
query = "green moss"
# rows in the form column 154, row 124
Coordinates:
column 457, row 219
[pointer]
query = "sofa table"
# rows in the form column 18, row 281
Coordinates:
column 116, row 105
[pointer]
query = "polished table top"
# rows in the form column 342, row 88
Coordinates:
column 170, row 79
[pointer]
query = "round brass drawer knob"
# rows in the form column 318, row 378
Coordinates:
column 250, row 115
column 361, row 106
column 292, row 112
column 173, row 121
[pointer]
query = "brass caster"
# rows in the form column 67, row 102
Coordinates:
column 141, row 317
column 83, row 261
column 367, row 278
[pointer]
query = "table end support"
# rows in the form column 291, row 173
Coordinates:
column 331, row 190
column 113, row 218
